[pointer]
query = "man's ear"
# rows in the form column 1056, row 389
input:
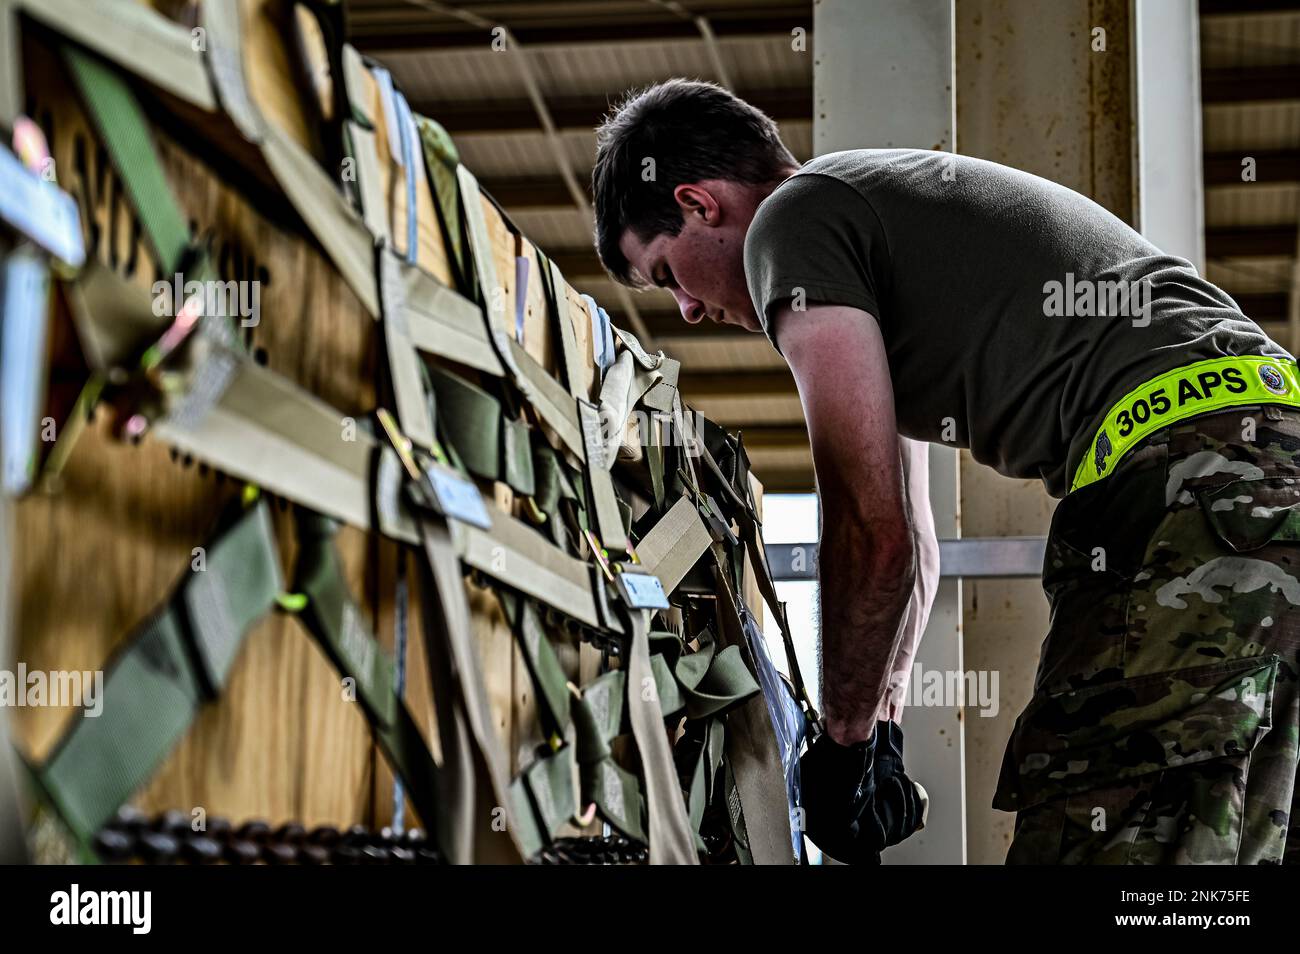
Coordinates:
column 695, row 200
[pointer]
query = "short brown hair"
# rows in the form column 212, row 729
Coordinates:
column 693, row 131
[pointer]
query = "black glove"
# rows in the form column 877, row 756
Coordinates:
column 857, row 799
column 900, row 803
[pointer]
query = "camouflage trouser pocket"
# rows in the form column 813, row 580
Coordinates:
column 1220, row 578
column 1150, row 769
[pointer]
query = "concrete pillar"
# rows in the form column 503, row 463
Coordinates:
column 1034, row 93
column 1167, row 113
column 883, row 76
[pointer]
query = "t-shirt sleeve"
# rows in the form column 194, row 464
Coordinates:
column 817, row 240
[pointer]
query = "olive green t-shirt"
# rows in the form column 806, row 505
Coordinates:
column 1014, row 311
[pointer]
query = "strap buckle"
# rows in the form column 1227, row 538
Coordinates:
column 433, row 485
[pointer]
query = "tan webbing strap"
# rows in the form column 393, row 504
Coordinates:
column 626, row 382
column 444, row 323
column 520, row 557
column 671, row 839
column 454, row 622
column 266, row 430
column 753, row 752
column 674, row 544
column 490, row 290
column 362, row 152
column 549, row 398
column 347, row 242
column 568, row 340
column 225, row 60
column 591, row 451
column 127, row 33
column 403, row 363
column 609, row 521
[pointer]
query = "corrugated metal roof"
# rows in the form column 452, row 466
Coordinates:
column 1247, row 276
column 1233, row 127
column 1257, row 203
column 1254, row 40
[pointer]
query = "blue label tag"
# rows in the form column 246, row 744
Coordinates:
column 643, row 591
column 459, row 498
column 40, row 210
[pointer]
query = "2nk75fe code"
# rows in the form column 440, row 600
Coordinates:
column 1155, row 897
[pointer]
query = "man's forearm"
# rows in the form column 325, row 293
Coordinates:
column 916, row 480
column 866, row 582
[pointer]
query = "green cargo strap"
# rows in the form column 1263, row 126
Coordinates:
column 491, row 445
column 670, row 837
column 440, row 162
column 597, row 717
column 708, row 681
column 736, row 815
column 543, row 662
column 704, row 774
column 122, row 126
column 749, row 533
column 552, row 486
column 1182, row 393
column 177, row 659
column 335, row 621
column 546, row 396
column 545, row 796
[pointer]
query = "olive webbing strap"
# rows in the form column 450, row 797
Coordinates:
column 749, row 533
column 334, row 620
column 178, row 658
column 122, row 126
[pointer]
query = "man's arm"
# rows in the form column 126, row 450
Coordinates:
column 916, row 479
column 867, row 553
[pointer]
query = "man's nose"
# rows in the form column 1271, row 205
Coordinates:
column 692, row 309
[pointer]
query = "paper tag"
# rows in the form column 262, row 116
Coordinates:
column 24, row 302
column 458, row 498
column 602, row 339
column 387, row 97
column 40, row 210
column 521, row 295
column 643, row 590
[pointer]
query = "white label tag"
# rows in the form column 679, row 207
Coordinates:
column 643, row 590
column 40, row 210
column 459, row 498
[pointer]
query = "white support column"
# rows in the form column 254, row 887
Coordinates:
column 1167, row 109
column 883, row 76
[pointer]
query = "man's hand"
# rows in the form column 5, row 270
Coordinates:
column 857, row 799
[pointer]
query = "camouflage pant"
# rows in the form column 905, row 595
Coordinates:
column 1163, row 727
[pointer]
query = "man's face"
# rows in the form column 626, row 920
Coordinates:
column 703, row 264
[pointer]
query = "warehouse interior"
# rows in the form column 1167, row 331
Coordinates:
column 1181, row 117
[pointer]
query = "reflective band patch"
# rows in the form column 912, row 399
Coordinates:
column 1182, row 393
